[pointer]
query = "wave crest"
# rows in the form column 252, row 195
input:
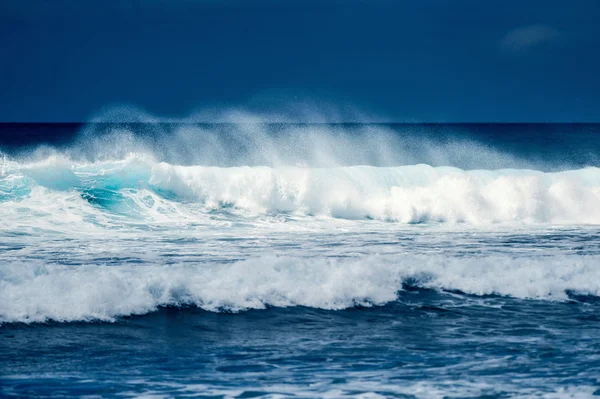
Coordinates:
column 139, row 187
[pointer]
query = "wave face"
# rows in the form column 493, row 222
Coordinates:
column 38, row 293
column 139, row 188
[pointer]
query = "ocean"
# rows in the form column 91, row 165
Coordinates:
column 274, row 260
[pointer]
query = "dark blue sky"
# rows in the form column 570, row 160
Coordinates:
column 427, row 60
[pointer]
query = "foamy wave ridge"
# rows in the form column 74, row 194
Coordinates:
column 37, row 293
column 406, row 194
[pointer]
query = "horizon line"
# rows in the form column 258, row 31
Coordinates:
column 287, row 123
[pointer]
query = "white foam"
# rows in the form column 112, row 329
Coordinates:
column 36, row 293
column 405, row 194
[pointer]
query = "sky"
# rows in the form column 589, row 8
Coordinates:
column 396, row 61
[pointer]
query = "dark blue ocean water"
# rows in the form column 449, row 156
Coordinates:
column 424, row 344
column 303, row 260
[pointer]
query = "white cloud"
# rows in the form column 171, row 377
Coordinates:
column 526, row 37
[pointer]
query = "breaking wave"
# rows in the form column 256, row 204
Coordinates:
column 139, row 187
column 42, row 292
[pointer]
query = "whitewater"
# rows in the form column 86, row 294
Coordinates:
column 406, row 194
column 275, row 260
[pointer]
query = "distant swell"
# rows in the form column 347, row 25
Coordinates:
column 41, row 292
column 140, row 188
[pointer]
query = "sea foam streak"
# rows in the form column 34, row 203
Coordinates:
column 139, row 187
column 36, row 293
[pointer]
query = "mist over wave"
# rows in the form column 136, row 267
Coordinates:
column 146, row 169
column 275, row 145
column 228, row 138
